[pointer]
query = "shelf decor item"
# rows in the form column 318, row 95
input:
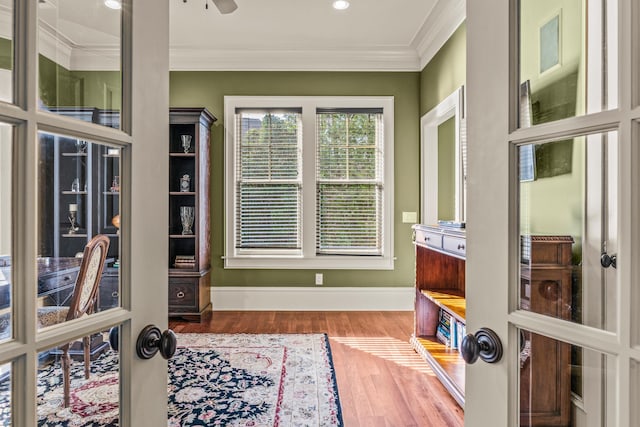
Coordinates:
column 186, row 142
column 187, row 215
column 81, row 145
column 115, row 184
column 185, row 183
column 73, row 218
column 75, row 185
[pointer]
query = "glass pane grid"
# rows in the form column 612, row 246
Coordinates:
column 69, row 33
column 563, row 384
column 6, row 394
column 6, row 230
column 563, row 64
column 561, row 275
column 72, row 390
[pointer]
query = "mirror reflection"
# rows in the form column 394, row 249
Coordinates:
column 6, row 50
column 565, row 192
column 564, row 51
column 79, row 69
column 5, row 230
column 79, row 207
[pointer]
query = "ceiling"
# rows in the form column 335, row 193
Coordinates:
column 310, row 34
column 389, row 35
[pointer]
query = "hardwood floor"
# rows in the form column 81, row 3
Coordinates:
column 381, row 380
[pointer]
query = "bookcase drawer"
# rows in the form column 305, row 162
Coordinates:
column 183, row 295
column 427, row 238
column 454, row 245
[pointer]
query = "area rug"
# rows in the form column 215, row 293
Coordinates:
column 214, row 380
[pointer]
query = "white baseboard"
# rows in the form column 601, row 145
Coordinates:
column 312, row 299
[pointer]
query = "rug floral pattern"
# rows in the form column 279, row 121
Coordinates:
column 214, row 380
column 254, row 380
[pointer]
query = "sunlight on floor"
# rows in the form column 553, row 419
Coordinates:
column 388, row 348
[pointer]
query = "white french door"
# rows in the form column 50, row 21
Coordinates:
column 552, row 211
column 60, row 60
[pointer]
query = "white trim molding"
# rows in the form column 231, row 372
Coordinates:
column 388, row 58
column 259, row 298
column 442, row 22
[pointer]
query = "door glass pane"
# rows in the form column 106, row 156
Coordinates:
column 6, row 173
column 566, row 224
column 562, row 384
column 564, row 71
column 79, row 204
column 6, row 50
column 92, row 397
column 5, row 394
column 80, row 59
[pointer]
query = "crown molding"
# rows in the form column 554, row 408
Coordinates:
column 444, row 19
column 375, row 59
column 442, row 22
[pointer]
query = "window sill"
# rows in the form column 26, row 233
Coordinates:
column 320, row 262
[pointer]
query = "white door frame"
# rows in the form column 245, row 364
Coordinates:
column 143, row 193
column 492, row 231
column 451, row 106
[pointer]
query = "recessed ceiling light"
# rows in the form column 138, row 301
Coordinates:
column 340, row 4
column 113, row 4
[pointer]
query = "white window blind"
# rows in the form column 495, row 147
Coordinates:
column 349, row 181
column 268, row 179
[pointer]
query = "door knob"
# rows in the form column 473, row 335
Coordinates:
column 607, row 260
column 151, row 340
column 484, row 344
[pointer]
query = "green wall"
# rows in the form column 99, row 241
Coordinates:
column 446, row 173
column 207, row 89
column 6, row 54
column 446, row 71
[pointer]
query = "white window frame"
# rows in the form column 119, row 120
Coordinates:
column 306, row 258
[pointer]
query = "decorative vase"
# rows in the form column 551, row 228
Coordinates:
column 185, row 183
column 186, row 142
column 187, row 215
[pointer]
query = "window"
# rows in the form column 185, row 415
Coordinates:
column 309, row 182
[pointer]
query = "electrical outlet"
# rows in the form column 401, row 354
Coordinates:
column 319, row 279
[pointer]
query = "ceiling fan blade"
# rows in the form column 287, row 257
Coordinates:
column 225, row 6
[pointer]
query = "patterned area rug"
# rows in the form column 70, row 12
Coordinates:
column 214, row 380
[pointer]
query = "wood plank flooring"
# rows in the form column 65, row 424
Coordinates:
column 381, row 380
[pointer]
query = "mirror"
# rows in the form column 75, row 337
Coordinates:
column 443, row 172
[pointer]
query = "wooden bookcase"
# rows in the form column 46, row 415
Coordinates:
column 546, row 288
column 440, row 285
column 189, row 185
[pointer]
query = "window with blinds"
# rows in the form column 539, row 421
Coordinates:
column 314, row 198
column 349, row 181
column 268, row 179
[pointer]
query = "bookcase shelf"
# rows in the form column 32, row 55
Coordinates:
column 440, row 286
column 449, row 301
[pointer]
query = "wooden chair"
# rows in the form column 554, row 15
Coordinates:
column 83, row 301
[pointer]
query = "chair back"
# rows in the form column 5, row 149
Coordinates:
column 85, row 291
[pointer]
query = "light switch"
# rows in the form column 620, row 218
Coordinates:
column 410, row 217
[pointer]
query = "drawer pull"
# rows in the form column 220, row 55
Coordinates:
column 180, row 294
column 461, row 247
column 114, row 294
column 427, row 238
column 66, row 278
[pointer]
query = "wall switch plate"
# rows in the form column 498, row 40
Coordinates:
column 410, row 217
column 319, row 279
